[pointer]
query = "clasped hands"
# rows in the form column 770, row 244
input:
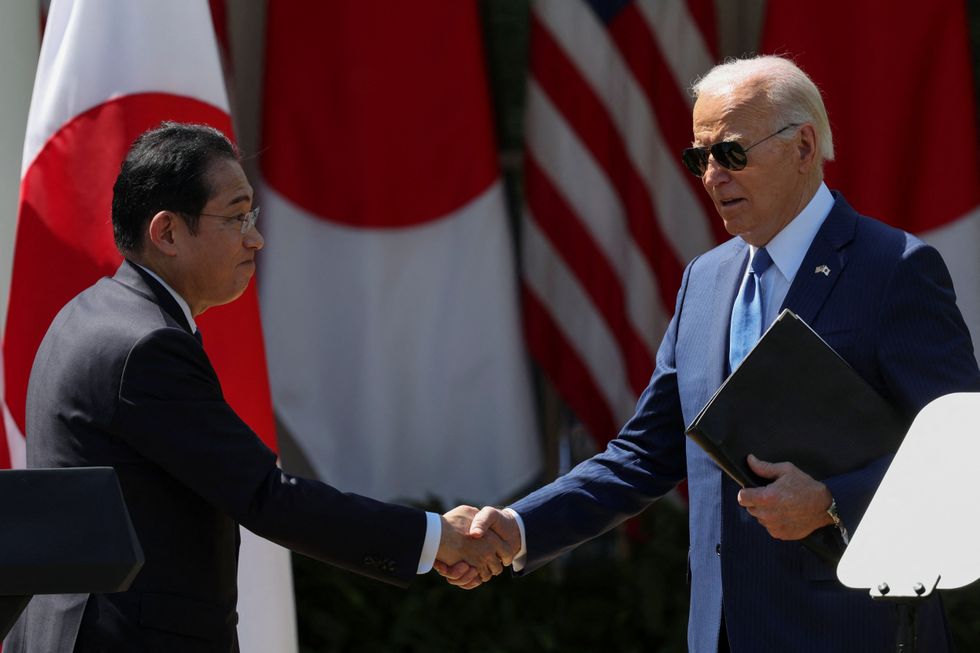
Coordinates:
column 476, row 545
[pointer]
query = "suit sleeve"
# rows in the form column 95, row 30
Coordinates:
column 923, row 352
column 170, row 408
column 644, row 462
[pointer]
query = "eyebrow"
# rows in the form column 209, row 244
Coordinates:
column 238, row 199
column 735, row 136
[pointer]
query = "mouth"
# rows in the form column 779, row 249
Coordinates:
column 728, row 203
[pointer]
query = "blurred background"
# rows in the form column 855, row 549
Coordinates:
column 476, row 221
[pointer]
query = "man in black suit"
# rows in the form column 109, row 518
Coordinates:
column 121, row 379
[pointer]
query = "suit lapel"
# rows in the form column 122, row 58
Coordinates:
column 727, row 280
column 140, row 280
column 823, row 263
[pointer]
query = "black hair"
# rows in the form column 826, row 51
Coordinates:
column 165, row 170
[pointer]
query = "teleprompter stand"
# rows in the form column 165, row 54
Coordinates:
column 66, row 531
column 918, row 533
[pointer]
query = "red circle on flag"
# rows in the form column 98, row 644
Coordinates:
column 64, row 244
column 377, row 114
column 64, row 223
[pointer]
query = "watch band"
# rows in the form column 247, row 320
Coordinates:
column 834, row 515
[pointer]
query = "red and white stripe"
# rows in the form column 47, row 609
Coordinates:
column 109, row 70
column 612, row 217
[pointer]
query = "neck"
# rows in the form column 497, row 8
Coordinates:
column 804, row 194
column 809, row 189
column 171, row 276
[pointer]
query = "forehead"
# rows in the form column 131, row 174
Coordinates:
column 228, row 183
column 728, row 115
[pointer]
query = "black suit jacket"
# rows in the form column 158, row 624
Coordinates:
column 119, row 380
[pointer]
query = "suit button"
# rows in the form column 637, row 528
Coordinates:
column 718, row 549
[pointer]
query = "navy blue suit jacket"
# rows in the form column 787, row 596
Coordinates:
column 119, row 380
column 888, row 308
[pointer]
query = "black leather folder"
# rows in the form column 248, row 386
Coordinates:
column 795, row 399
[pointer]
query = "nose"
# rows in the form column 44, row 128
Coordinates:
column 253, row 239
column 715, row 174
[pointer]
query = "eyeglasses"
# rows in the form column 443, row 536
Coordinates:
column 728, row 154
column 247, row 219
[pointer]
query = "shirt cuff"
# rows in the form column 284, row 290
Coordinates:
column 433, row 535
column 520, row 560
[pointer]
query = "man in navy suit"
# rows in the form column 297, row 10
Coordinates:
column 880, row 297
column 122, row 379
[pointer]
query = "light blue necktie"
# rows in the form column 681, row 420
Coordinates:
column 746, row 327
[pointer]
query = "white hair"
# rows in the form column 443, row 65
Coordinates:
column 793, row 96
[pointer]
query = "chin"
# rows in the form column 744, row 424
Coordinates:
column 733, row 227
column 229, row 298
column 237, row 294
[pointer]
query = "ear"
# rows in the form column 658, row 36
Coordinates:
column 162, row 232
column 806, row 146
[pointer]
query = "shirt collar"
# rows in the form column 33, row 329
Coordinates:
column 788, row 247
column 180, row 300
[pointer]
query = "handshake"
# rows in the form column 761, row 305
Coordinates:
column 476, row 545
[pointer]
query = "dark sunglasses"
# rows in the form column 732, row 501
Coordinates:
column 728, row 154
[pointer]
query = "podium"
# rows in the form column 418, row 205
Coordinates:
column 919, row 532
column 65, row 531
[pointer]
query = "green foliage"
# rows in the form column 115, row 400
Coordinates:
column 617, row 594
column 963, row 608
column 506, row 25
column 621, row 593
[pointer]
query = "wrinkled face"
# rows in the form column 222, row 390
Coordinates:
column 218, row 262
column 759, row 200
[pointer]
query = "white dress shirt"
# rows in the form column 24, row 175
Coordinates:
column 787, row 249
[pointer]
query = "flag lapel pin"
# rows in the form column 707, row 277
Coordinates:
column 822, row 269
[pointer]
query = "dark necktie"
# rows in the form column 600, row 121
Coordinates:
column 746, row 326
column 197, row 334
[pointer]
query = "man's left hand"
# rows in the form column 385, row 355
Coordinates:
column 792, row 506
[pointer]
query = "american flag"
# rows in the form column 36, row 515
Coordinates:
column 611, row 216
